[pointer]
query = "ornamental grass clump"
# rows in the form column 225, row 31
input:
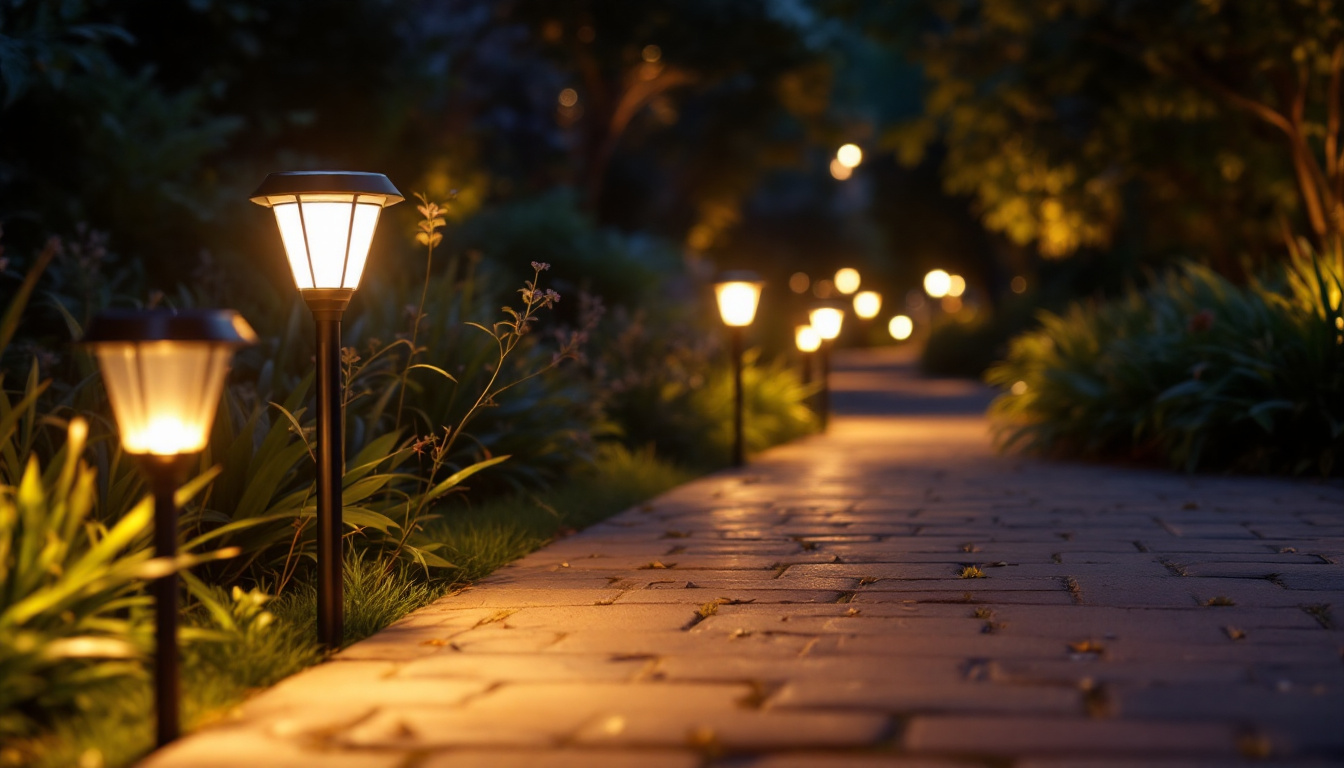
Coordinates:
column 1194, row 371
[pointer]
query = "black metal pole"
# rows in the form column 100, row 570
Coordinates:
column 165, row 474
column 825, row 384
column 330, row 469
column 739, row 450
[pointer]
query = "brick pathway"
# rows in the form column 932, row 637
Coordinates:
column 815, row 610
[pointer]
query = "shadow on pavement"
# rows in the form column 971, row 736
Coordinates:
column 886, row 382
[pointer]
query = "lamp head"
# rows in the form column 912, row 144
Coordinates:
column 807, row 338
column 827, row 318
column 738, row 293
column 327, row 220
column 164, row 372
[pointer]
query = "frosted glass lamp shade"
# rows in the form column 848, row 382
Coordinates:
column 327, row 220
column 807, row 338
column 827, row 321
column 164, row 373
column 738, row 293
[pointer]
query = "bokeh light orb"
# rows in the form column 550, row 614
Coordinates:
column 937, row 283
column 867, row 304
column 849, row 155
column 901, row 327
column 847, row 280
column 956, row 286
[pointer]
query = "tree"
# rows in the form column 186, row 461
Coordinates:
column 1196, row 124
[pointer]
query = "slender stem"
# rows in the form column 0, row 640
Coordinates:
column 167, row 695
column 330, row 469
column 739, row 451
column 415, row 331
column 825, row 385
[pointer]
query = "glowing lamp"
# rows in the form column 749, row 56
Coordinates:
column 806, row 338
column 164, row 372
column 901, row 327
column 937, row 283
column 847, row 280
column 738, row 292
column 867, row 304
column 827, row 321
column 327, row 220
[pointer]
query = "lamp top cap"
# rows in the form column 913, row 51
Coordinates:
column 217, row 326
column 737, row 276
column 318, row 182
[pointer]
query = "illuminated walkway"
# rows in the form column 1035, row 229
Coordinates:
column 890, row 594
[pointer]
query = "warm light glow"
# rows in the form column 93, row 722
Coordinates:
column 901, row 327
column 568, row 97
column 823, row 289
column 652, row 53
column 1019, row 388
column 827, row 321
column 951, row 304
column 807, row 338
column 867, row 304
column 956, row 286
column 849, row 156
column 840, row 171
column 164, row 393
column 847, row 280
column 937, row 283
column 1019, row 284
column 737, row 301
column 799, row 282
column 326, row 248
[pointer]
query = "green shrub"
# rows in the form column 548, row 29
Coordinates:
column 1194, row 371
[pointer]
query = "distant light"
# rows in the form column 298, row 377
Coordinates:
column 1019, row 284
column 652, row 53
column 951, row 304
column 849, row 156
column 867, row 304
column 569, row 97
column 956, row 285
column 587, row 34
column 901, row 327
column 799, row 282
column 827, row 321
column 1019, row 388
column 823, row 289
column 840, row 171
column 847, row 280
column 937, row 283
column 807, row 338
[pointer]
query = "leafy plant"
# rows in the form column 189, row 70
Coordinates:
column 1195, row 371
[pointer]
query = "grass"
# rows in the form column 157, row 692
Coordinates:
column 115, row 724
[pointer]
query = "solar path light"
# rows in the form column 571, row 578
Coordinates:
column 738, row 293
column 327, row 220
column 164, row 373
column 827, row 319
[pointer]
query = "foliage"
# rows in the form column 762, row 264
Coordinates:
column 1065, row 119
column 1194, row 371
column 257, row 642
column 669, row 388
column 67, row 584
